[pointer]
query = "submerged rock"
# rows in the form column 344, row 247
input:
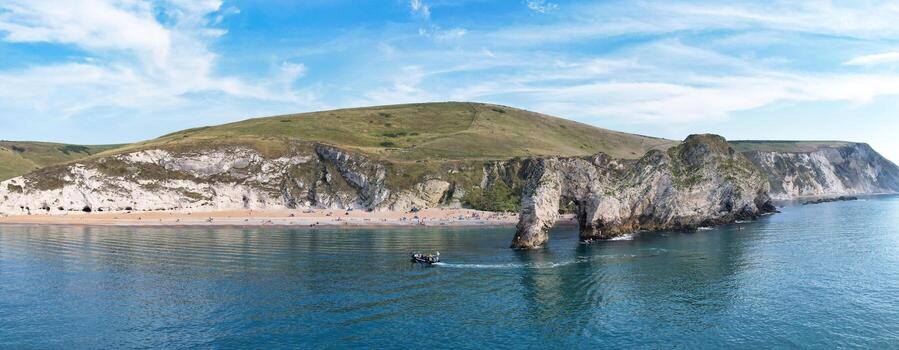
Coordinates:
column 828, row 200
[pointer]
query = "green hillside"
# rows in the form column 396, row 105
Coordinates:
column 20, row 157
column 430, row 131
column 451, row 131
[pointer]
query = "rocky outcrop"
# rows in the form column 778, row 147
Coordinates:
column 830, row 200
column 223, row 178
column 701, row 182
column 366, row 177
column 827, row 171
column 427, row 194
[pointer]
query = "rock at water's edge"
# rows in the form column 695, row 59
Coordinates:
column 699, row 183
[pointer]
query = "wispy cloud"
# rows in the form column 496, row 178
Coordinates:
column 646, row 63
column 92, row 24
column 420, row 8
column 859, row 19
column 131, row 58
column 541, row 6
column 670, row 78
column 440, row 34
column 867, row 60
column 405, row 88
column 658, row 91
column 591, row 21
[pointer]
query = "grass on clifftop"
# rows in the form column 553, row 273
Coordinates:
column 416, row 132
column 425, row 135
column 18, row 158
column 785, row 146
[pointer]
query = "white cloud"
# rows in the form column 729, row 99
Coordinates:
column 651, row 87
column 591, row 20
column 406, row 88
column 440, row 34
column 855, row 88
column 230, row 11
column 450, row 34
column 646, row 102
column 65, row 89
column 421, row 8
column 148, row 56
column 541, row 6
column 131, row 58
column 663, row 80
column 91, row 24
column 863, row 19
column 292, row 71
column 881, row 58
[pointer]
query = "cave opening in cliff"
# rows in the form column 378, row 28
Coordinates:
column 568, row 206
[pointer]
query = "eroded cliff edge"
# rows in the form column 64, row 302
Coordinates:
column 231, row 177
column 797, row 170
column 702, row 182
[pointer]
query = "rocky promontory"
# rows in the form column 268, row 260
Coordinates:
column 702, row 182
column 815, row 170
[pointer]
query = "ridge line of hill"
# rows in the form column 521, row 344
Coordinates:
column 439, row 132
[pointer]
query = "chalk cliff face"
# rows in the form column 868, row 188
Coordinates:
column 827, row 171
column 701, row 182
column 222, row 178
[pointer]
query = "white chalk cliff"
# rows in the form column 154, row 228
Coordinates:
column 827, row 171
column 702, row 181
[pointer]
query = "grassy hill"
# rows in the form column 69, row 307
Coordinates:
column 414, row 132
column 447, row 131
column 21, row 157
column 451, row 131
column 785, row 146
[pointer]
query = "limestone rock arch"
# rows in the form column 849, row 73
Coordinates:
column 701, row 182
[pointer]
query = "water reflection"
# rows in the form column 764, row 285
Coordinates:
column 594, row 286
column 112, row 287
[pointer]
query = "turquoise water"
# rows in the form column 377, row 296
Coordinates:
column 819, row 276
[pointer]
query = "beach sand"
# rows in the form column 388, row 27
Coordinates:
column 285, row 217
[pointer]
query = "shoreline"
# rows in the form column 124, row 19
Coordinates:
column 437, row 217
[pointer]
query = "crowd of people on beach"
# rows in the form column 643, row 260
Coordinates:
column 305, row 217
column 442, row 216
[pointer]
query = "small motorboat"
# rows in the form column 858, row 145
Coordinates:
column 426, row 259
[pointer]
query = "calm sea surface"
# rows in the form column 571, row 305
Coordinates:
column 820, row 276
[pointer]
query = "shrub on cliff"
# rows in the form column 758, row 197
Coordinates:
column 498, row 197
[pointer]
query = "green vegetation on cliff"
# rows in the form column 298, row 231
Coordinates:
column 19, row 158
column 785, row 146
column 498, row 197
column 414, row 155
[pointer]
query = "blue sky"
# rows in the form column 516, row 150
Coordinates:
column 102, row 71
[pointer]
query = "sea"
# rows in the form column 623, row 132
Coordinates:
column 811, row 277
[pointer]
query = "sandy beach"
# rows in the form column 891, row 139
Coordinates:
column 285, row 217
